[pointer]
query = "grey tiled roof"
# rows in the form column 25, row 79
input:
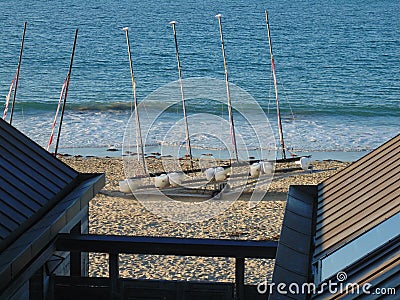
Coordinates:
column 39, row 197
column 336, row 212
column 31, row 181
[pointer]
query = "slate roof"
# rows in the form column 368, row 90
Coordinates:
column 30, row 180
column 347, row 205
column 39, row 195
column 358, row 198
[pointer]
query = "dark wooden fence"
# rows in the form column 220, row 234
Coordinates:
column 115, row 245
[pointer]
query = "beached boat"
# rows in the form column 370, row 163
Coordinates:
column 160, row 181
column 215, row 179
column 131, row 184
column 284, row 151
column 284, row 157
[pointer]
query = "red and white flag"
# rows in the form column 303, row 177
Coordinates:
column 8, row 97
column 62, row 95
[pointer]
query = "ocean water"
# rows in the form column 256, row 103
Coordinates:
column 337, row 67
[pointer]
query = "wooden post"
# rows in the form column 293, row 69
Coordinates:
column 75, row 264
column 36, row 285
column 113, row 266
column 239, row 278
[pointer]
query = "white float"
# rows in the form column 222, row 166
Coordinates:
column 161, row 181
column 255, row 170
column 175, row 179
column 129, row 185
column 267, row 167
column 220, row 174
column 305, row 163
column 210, row 174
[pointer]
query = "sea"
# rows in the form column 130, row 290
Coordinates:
column 337, row 66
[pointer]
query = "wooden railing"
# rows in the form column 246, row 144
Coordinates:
column 116, row 244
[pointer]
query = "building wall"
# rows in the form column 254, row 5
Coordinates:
column 57, row 264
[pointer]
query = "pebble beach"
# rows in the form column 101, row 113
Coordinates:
column 114, row 213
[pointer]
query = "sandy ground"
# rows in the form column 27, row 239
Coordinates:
column 112, row 212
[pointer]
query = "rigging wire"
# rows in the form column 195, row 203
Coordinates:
column 293, row 119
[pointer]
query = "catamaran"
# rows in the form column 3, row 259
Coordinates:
column 216, row 175
column 283, row 149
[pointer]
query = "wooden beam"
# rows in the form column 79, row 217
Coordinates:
column 166, row 246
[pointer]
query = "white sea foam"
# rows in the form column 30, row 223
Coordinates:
column 101, row 129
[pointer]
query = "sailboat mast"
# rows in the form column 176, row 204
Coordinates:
column 188, row 146
column 17, row 76
column 66, row 92
column 231, row 123
column 278, row 111
column 139, row 140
